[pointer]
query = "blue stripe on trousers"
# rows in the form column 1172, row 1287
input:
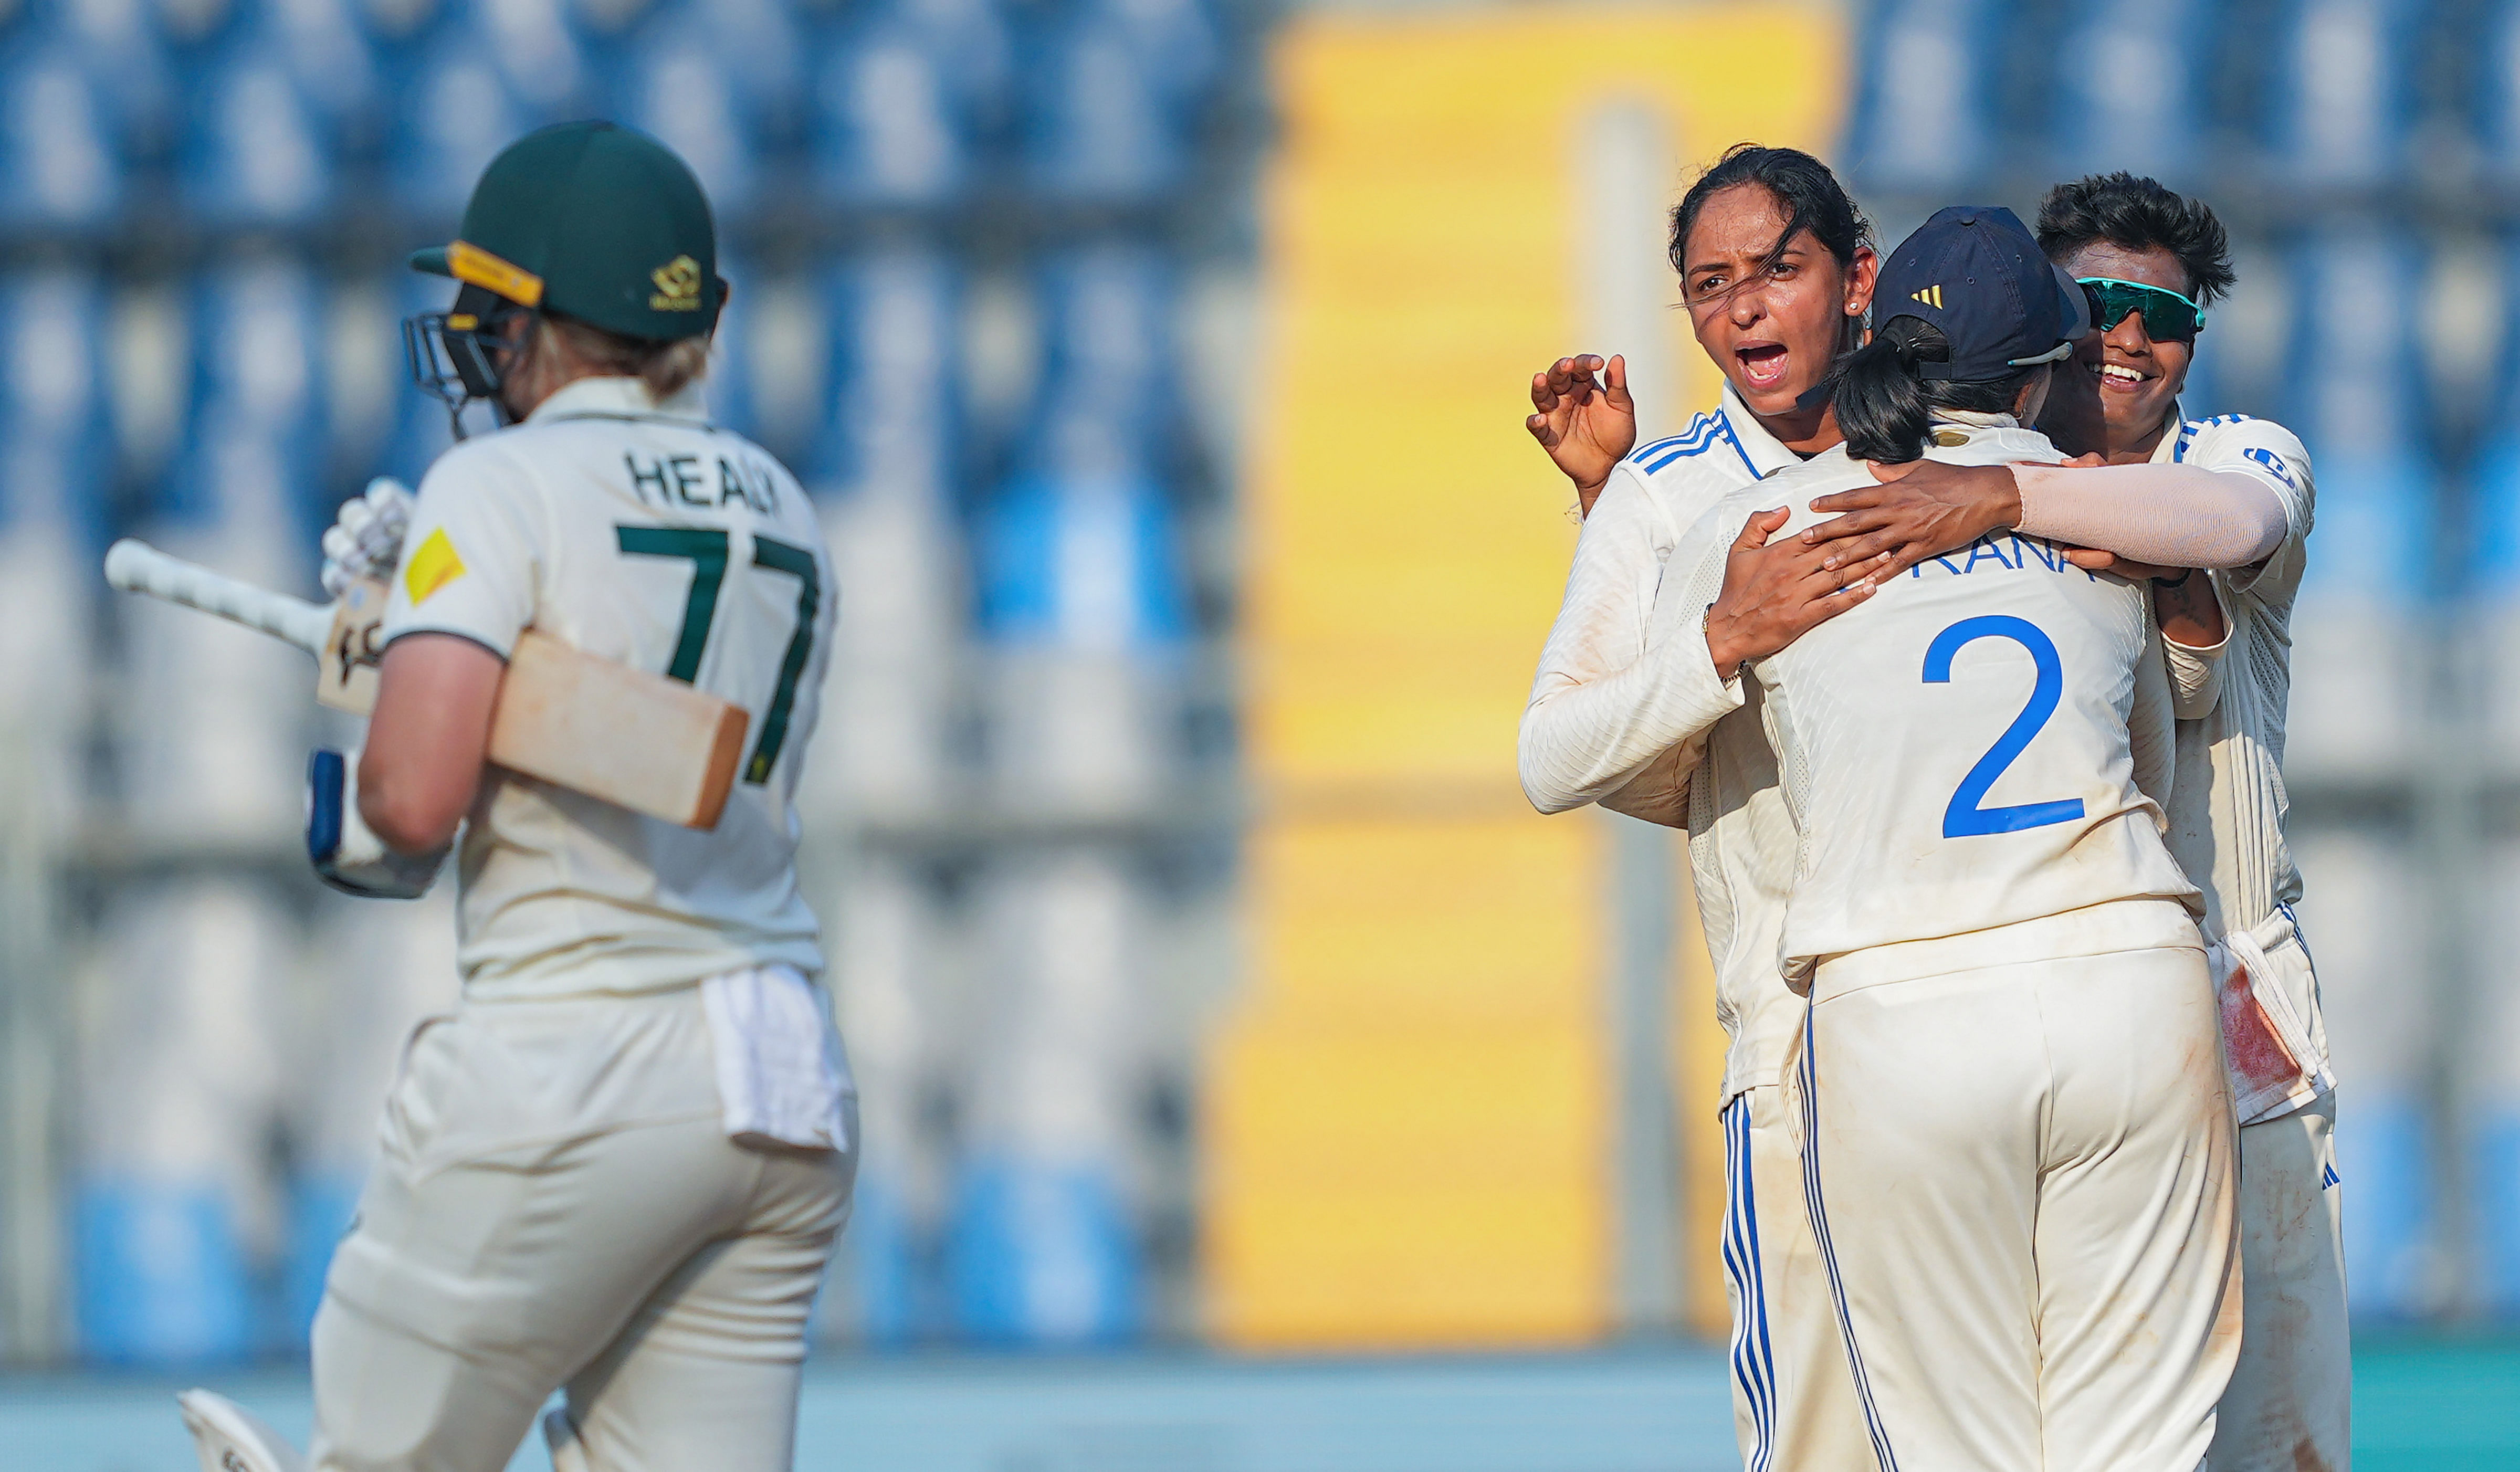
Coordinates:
column 1753, row 1360
column 1881, row 1451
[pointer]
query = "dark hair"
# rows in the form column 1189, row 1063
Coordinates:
column 1804, row 188
column 1884, row 409
column 2140, row 214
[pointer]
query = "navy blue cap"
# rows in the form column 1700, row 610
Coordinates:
column 1975, row 272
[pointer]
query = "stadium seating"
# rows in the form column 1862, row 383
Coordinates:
column 256, row 151
column 2123, row 100
column 2338, row 105
column 1110, row 97
column 61, row 163
column 963, row 189
column 901, row 101
column 1925, row 112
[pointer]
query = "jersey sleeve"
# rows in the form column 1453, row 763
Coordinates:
column 1658, row 792
column 1622, row 681
column 2273, row 456
column 2150, row 737
column 2196, row 671
column 472, row 560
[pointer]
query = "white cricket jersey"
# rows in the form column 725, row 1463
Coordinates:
column 640, row 533
column 2227, row 808
column 1976, row 745
column 1627, row 711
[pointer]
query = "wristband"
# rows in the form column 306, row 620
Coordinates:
column 2184, row 573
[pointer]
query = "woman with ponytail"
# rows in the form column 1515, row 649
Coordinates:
column 1776, row 266
column 1886, row 392
column 2018, row 1160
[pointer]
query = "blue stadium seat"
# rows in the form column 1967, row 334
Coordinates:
column 1044, row 1247
column 1107, row 329
column 1084, row 609
column 1095, row 458
column 905, row 95
column 672, row 81
column 2338, row 106
column 2125, row 100
column 125, row 51
column 481, row 76
column 2492, row 573
column 61, row 161
column 1078, row 551
column 53, row 411
column 1110, row 100
column 255, row 148
column 2492, row 619
column 2358, row 712
column 2354, row 398
column 1923, row 116
column 758, row 47
column 324, row 46
column 891, row 383
column 255, row 445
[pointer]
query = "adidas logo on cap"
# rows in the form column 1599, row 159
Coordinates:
column 1931, row 297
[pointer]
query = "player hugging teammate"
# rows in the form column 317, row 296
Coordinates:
column 1919, row 1162
column 618, row 1170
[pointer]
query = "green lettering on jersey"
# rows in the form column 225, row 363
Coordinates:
column 780, row 556
column 707, row 552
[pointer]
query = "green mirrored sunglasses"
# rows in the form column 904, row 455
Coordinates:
column 2166, row 313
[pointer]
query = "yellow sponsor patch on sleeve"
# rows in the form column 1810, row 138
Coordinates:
column 434, row 565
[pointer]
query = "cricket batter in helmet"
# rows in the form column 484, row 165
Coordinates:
column 619, row 1169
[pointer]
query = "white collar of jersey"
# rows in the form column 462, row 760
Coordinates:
column 2168, row 450
column 1999, row 432
column 1766, row 453
column 1976, row 419
column 616, row 397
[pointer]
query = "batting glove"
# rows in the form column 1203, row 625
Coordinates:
column 366, row 540
column 346, row 852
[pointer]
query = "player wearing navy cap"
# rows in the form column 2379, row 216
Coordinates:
column 2018, row 1147
column 2153, row 262
column 2018, row 1151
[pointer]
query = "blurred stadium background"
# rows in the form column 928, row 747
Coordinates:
column 1159, row 363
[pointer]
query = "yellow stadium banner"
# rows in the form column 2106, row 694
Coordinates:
column 1407, row 1117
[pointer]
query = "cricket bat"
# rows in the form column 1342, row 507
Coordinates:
column 564, row 716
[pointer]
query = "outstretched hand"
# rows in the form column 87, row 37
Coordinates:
column 1776, row 592
column 1587, row 424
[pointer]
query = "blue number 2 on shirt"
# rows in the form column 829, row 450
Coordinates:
column 1966, row 817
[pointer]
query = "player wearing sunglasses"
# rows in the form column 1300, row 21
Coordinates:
column 2152, row 262
column 2230, row 493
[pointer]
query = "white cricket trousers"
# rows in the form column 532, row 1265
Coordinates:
column 2290, row 1405
column 2021, row 1179
column 1793, row 1401
column 558, row 1206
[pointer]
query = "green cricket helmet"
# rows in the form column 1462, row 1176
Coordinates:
column 588, row 220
